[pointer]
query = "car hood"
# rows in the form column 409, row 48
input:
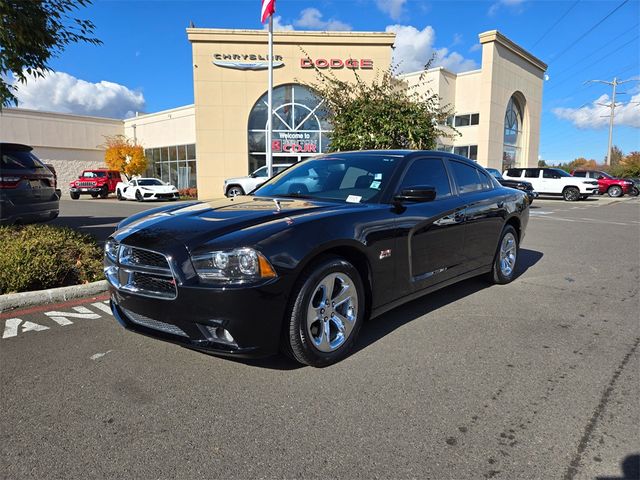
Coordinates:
column 237, row 179
column 195, row 224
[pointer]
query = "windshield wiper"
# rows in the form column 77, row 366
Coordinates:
column 293, row 195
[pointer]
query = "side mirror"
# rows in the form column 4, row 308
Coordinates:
column 79, row 176
column 600, row 177
column 421, row 193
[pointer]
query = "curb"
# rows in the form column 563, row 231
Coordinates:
column 52, row 295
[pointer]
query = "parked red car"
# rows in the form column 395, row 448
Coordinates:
column 99, row 181
column 614, row 187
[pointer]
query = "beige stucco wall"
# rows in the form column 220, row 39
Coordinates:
column 70, row 143
column 224, row 97
column 162, row 129
column 506, row 70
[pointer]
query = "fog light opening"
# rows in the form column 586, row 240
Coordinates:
column 222, row 335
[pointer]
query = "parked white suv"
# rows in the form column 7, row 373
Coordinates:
column 553, row 181
column 244, row 185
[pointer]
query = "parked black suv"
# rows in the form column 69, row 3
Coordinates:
column 27, row 187
column 526, row 187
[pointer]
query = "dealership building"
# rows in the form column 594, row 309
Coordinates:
column 223, row 134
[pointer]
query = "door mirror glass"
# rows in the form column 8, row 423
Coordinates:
column 419, row 193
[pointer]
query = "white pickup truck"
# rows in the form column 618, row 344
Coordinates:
column 554, row 181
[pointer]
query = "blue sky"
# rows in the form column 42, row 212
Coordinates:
column 146, row 53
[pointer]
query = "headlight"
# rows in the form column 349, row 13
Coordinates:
column 111, row 249
column 241, row 265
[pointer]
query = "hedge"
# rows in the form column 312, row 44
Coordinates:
column 36, row 257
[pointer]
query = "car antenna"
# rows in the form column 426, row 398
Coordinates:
column 275, row 200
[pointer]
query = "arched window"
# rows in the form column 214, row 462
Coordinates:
column 512, row 134
column 300, row 126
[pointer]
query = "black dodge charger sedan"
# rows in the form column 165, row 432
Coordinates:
column 303, row 260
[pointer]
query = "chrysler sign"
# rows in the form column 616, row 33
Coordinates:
column 246, row 61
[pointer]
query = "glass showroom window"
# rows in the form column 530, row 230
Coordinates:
column 469, row 151
column 300, row 126
column 175, row 165
column 512, row 134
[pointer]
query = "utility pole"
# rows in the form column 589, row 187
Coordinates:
column 612, row 106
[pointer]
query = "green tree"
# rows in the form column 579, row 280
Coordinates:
column 31, row 33
column 542, row 163
column 616, row 155
column 383, row 114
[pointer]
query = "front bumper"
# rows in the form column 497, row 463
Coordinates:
column 86, row 190
column 252, row 315
column 160, row 196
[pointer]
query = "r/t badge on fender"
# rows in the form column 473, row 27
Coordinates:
column 385, row 253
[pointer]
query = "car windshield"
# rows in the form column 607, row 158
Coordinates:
column 559, row 172
column 354, row 178
column 604, row 174
column 94, row 174
column 149, row 181
column 495, row 173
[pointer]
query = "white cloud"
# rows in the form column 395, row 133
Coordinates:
column 64, row 93
column 457, row 39
column 512, row 4
column 595, row 116
column 414, row 48
column 278, row 25
column 312, row 18
column 393, row 8
column 475, row 47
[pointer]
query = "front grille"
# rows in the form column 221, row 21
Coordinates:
column 140, row 271
column 154, row 284
column 86, row 184
column 164, row 195
column 153, row 324
column 143, row 258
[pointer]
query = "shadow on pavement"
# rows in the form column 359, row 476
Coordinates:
column 378, row 328
column 99, row 227
column 630, row 469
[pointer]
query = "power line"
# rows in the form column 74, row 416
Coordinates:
column 556, row 23
column 571, row 45
column 593, row 52
column 604, row 57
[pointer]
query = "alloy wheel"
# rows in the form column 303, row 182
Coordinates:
column 508, row 252
column 615, row 191
column 332, row 312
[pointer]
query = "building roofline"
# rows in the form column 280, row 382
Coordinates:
column 72, row 116
column 161, row 112
column 496, row 36
column 439, row 69
column 235, row 35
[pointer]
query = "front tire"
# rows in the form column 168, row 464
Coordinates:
column 571, row 194
column 74, row 196
column 615, row 191
column 234, row 191
column 506, row 258
column 105, row 192
column 634, row 191
column 138, row 196
column 119, row 195
column 327, row 313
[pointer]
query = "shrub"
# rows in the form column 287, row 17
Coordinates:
column 188, row 193
column 35, row 257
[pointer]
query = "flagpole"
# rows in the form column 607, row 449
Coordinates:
column 269, row 102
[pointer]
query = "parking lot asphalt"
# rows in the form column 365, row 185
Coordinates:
column 538, row 379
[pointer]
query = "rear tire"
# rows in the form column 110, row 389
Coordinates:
column 74, row 196
column 571, row 194
column 634, row 191
column 327, row 313
column 506, row 258
column 615, row 191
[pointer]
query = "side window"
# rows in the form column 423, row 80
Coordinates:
column 550, row 174
column 486, row 182
column 261, row 172
column 514, row 172
column 576, row 174
column 466, row 177
column 532, row 173
column 134, row 183
column 428, row 171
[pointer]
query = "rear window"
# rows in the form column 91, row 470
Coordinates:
column 19, row 160
column 531, row 173
column 579, row 174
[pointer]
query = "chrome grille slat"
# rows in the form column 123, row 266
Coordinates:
column 153, row 324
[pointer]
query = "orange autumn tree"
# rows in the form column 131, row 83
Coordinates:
column 124, row 155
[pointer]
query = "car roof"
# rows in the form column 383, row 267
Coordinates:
column 15, row 147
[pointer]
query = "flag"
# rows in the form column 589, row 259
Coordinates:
column 268, row 9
